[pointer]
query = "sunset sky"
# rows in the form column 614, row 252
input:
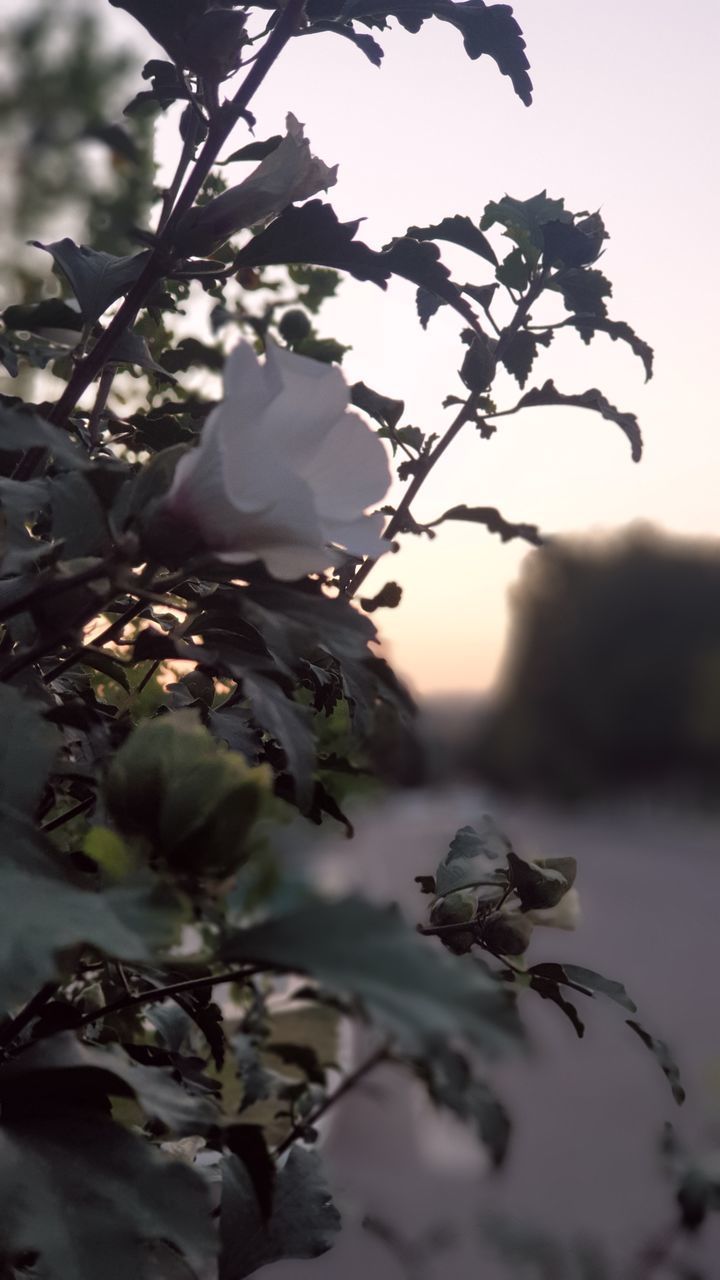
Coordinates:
column 625, row 119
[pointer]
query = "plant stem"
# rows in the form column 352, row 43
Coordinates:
column 12, row 1029
column 350, row 1081
column 74, row 812
column 107, row 378
column 466, row 412
column 110, row 633
column 161, row 257
column 398, row 520
column 154, row 994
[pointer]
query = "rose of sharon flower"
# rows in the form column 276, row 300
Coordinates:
column 283, row 472
column 289, row 173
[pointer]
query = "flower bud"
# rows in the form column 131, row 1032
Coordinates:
column 171, row 785
column 456, row 908
column 478, row 368
column 288, row 173
column 507, row 933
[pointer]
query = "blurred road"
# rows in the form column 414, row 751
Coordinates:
column 587, row 1113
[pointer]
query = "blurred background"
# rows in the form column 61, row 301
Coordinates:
column 574, row 691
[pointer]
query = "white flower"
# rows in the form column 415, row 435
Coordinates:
column 566, row 914
column 288, row 174
column 283, row 472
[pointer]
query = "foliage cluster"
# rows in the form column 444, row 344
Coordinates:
column 171, row 994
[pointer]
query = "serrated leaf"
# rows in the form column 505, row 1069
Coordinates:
column 28, row 746
column 364, row 42
column 494, row 522
column 588, row 981
column 42, row 914
column 20, row 431
column 550, row 990
column 383, row 409
column 78, row 519
column 619, row 331
column 290, row 724
column 312, row 233
column 593, row 399
column 255, row 150
column 132, row 348
column 474, row 858
column 87, row 1197
column 97, row 279
column 303, row 1223
column 583, row 290
column 61, row 1067
column 538, row 887
column 664, row 1058
column 514, row 271
column 417, row 993
column 451, row 1084
column 520, row 353
column 460, row 230
column 525, row 218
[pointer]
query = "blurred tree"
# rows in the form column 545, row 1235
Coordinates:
column 70, row 167
column 613, row 672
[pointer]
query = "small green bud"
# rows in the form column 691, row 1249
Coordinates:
column 507, row 933
column 478, row 368
column 456, row 908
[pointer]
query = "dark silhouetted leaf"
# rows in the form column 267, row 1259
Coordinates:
column 665, row 1060
column 290, row 725
column 255, row 150
column 303, row 1223
column 593, row 399
column 28, row 746
column 460, row 230
column 63, row 1068
column 247, row 1143
column 587, row 981
column 491, row 518
column 384, row 410
column 419, row 994
column 451, row 1084
column 583, row 290
column 388, row 597
column 97, row 279
column 550, row 990
column 619, row 331
column 42, row 914
column 20, row 431
column 88, row 1196
column 520, row 353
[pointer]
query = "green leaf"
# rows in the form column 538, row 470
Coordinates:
column 132, row 348
column 587, row 981
column 520, row 354
column 583, row 290
column 78, row 519
column 539, row 886
column 50, row 316
column 593, row 399
column 664, row 1057
column 97, row 279
column 28, row 746
column 619, row 331
column 494, row 522
column 20, row 431
column 524, row 220
column 550, row 990
column 255, row 150
column 417, row 993
column 361, row 40
column 311, row 233
column 383, row 409
column 460, row 230
column 303, row 1223
column 62, row 1068
column 475, row 858
column 290, row 724
column 87, row 1197
column 514, row 271
column 42, row 914
column 450, row 1083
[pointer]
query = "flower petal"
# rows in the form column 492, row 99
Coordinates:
column 350, row 472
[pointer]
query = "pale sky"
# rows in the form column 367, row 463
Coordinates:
column 625, row 118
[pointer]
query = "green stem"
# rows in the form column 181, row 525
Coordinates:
column 350, row 1081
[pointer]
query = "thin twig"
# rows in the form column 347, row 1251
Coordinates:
column 350, row 1081
column 160, row 259
column 81, row 807
column 155, row 994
